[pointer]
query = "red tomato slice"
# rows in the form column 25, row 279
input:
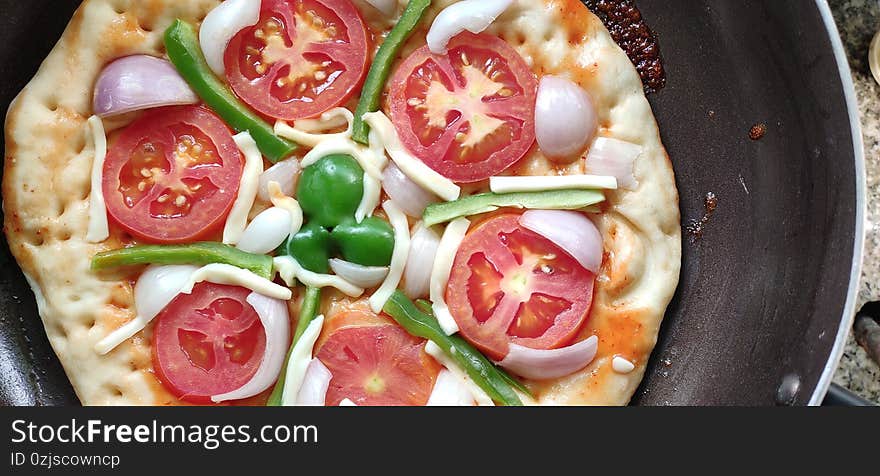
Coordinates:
column 172, row 175
column 378, row 365
column 208, row 343
column 468, row 114
column 302, row 58
column 511, row 285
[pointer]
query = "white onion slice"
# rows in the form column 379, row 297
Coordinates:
column 571, row 231
column 313, row 392
column 450, row 391
column 139, row 82
column 471, row 15
column 387, row 7
column 420, row 263
column 398, row 257
column 411, row 197
column 565, row 118
column 616, row 158
column 276, row 324
column 223, row 23
column 546, row 364
column 361, row 276
column 449, row 243
column 298, row 363
column 156, row 287
column 286, row 173
column 266, row 231
column 479, row 395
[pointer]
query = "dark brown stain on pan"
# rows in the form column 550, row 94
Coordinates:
column 629, row 30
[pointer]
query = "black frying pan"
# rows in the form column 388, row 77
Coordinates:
column 766, row 295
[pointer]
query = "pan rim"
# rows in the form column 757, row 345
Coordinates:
column 852, row 105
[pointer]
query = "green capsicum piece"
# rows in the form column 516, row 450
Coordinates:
column 485, row 374
column 331, row 189
column 310, row 247
column 368, row 243
column 381, row 67
column 197, row 254
column 489, row 202
column 182, row 45
column 307, row 313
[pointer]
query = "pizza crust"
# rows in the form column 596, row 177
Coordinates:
column 46, row 195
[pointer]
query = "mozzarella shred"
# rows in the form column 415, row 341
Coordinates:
column 449, row 243
column 548, row 183
column 370, row 200
column 300, row 357
column 290, row 270
column 282, row 201
column 480, row 396
column 372, row 164
column 99, row 229
column 305, row 132
column 621, row 365
column 400, row 223
column 415, row 169
column 220, row 273
column 236, row 222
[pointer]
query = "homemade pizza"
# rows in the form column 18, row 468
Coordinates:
column 343, row 202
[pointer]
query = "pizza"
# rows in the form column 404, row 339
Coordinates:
column 342, row 202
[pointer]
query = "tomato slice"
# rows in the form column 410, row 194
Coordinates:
column 511, row 285
column 468, row 114
column 302, row 58
column 172, row 175
column 208, row 343
column 378, row 365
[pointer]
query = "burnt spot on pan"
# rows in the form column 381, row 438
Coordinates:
column 629, row 30
column 696, row 228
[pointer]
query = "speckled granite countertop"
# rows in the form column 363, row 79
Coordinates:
column 858, row 21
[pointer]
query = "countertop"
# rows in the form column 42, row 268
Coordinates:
column 858, row 21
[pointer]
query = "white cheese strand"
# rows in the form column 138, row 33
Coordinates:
column 450, row 391
column 300, row 356
column 221, row 273
column 280, row 200
column 398, row 258
column 289, row 269
column 480, row 396
column 414, row 168
column 307, row 137
column 347, row 403
column 449, row 243
column 551, row 182
column 371, row 198
column 247, row 190
column 621, row 365
column 371, row 164
column 98, row 228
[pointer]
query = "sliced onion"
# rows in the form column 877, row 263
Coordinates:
column 471, row 15
column 412, row 198
column 266, row 231
column 387, row 7
column 571, row 231
column 286, row 173
column 420, row 263
column 313, row 392
column 221, row 24
column 546, row 364
column 276, row 323
column 616, row 158
column 450, row 391
column 361, row 276
column 565, row 118
column 139, row 82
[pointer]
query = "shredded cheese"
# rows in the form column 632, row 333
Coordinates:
column 300, row 356
column 370, row 200
column 220, row 273
column 347, row 403
column 247, row 191
column 289, row 269
column 398, row 257
column 371, row 164
column 304, row 131
column 480, row 396
column 621, row 365
column 282, row 201
column 443, row 262
column 98, row 228
column 546, row 183
column 414, row 168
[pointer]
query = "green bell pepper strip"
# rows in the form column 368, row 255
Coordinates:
column 479, row 369
column 182, row 45
column 307, row 313
column 196, row 253
column 381, row 67
column 489, row 202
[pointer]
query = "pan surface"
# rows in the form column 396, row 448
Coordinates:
column 767, row 291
